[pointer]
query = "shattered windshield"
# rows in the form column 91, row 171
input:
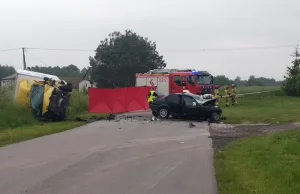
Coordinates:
column 203, row 79
column 198, row 98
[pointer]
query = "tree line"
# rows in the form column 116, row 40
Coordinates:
column 222, row 80
column 66, row 71
column 74, row 71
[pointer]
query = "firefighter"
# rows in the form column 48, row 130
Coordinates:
column 233, row 95
column 217, row 95
column 227, row 95
column 151, row 96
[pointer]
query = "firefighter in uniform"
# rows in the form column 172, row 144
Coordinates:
column 151, row 96
column 233, row 95
column 227, row 95
column 217, row 95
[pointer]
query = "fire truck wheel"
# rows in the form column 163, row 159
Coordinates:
column 163, row 112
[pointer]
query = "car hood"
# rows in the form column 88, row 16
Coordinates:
column 205, row 102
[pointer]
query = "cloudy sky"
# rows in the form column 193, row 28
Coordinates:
column 181, row 29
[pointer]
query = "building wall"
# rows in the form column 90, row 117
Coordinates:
column 85, row 84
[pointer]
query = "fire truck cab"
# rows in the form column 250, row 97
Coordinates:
column 170, row 81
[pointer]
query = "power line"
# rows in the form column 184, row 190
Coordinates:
column 33, row 56
column 3, row 50
column 166, row 50
column 231, row 49
column 58, row 49
column 178, row 50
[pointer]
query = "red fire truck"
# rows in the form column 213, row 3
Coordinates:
column 170, row 81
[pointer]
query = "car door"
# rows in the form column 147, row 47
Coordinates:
column 190, row 107
column 173, row 101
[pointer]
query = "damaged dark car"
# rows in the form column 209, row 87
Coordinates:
column 186, row 105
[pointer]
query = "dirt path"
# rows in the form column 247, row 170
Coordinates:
column 222, row 134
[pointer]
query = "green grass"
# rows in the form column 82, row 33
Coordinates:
column 265, row 165
column 250, row 89
column 17, row 123
column 271, row 107
column 11, row 115
column 15, row 135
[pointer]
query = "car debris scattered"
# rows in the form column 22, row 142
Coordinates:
column 96, row 118
column 191, row 125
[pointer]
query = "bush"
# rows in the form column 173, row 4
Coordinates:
column 79, row 102
column 11, row 114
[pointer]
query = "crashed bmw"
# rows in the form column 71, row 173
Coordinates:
column 186, row 105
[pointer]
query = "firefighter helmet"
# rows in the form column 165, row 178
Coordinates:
column 227, row 87
column 233, row 85
column 217, row 86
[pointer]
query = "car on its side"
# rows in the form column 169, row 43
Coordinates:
column 186, row 105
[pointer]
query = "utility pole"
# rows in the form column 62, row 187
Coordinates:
column 24, row 59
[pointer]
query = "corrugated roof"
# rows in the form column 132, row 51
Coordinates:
column 10, row 77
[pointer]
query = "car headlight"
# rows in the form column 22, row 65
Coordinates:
column 216, row 107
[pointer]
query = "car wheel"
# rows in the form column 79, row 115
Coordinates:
column 163, row 112
column 154, row 114
column 215, row 116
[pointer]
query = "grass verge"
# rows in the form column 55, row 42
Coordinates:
column 15, row 135
column 271, row 107
column 17, row 123
column 265, row 165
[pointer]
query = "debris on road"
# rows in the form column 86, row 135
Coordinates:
column 97, row 118
column 191, row 125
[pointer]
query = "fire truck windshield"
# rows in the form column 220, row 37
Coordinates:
column 203, row 79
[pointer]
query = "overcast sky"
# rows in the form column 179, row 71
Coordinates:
column 181, row 26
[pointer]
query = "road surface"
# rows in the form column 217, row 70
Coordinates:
column 131, row 156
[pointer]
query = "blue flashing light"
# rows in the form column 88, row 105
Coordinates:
column 195, row 72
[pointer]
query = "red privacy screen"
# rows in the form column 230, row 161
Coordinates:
column 121, row 100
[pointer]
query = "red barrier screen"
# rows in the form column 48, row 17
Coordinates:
column 119, row 100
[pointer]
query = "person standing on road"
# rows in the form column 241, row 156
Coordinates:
column 217, row 95
column 151, row 96
column 227, row 95
column 233, row 95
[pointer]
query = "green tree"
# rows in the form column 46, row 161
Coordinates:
column 83, row 71
column 222, row 80
column 6, row 70
column 291, row 84
column 119, row 57
column 252, row 81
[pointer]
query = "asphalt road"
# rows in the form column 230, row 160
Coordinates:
column 132, row 156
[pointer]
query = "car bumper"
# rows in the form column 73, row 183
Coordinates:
column 154, row 108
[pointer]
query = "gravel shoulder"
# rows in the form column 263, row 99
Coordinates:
column 222, row 134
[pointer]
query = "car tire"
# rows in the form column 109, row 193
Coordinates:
column 154, row 114
column 215, row 116
column 163, row 112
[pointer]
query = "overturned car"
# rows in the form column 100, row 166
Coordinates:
column 45, row 95
column 186, row 105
